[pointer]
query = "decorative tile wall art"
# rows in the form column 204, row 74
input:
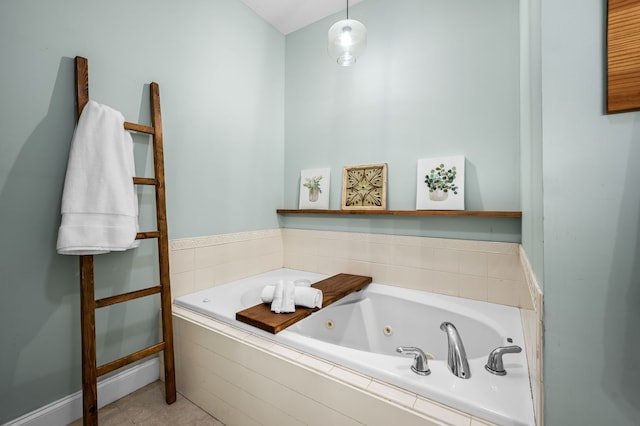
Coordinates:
column 364, row 187
column 440, row 183
column 314, row 189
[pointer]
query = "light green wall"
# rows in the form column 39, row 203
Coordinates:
column 437, row 79
column 591, row 227
column 531, row 136
column 221, row 75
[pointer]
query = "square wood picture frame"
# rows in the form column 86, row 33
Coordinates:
column 364, row 187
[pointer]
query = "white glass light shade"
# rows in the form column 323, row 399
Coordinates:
column 347, row 40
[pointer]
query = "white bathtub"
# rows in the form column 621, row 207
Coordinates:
column 362, row 330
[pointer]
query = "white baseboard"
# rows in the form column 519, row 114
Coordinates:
column 69, row 409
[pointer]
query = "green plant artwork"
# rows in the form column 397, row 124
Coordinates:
column 442, row 179
column 313, row 184
column 440, row 183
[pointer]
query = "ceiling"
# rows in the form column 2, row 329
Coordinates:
column 291, row 15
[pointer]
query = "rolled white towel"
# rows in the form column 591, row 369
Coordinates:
column 269, row 290
column 278, row 293
column 288, row 298
column 267, row 293
column 308, row 297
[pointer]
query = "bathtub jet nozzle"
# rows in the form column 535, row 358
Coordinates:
column 457, row 357
column 420, row 364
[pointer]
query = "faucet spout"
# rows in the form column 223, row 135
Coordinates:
column 457, row 357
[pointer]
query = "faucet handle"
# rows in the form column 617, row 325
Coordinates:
column 420, row 364
column 494, row 363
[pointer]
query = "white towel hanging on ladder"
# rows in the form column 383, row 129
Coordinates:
column 99, row 201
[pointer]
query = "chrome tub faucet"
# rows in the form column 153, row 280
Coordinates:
column 420, row 364
column 494, row 363
column 457, row 357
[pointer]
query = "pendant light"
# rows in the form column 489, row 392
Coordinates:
column 347, row 40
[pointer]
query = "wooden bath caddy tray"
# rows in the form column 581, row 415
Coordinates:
column 333, row 288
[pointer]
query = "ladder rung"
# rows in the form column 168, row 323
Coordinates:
column 126, row 360
column 145, row 235
column 139, row 128
column 145, row 181
column 125, row 297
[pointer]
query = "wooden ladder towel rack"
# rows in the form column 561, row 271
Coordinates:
column 90, row 370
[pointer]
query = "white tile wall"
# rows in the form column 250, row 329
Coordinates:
column 487, row 271
column 203, row 262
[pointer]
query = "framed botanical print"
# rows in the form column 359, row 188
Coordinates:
column 440, row 183
column 314, row 189
column 364, row 187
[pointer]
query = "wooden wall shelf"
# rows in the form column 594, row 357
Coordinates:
column 449, row 213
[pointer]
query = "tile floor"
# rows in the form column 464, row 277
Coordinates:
column 146, row 406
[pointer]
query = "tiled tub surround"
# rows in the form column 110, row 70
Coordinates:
column 367, row 326
column 533, row 327
column 203, row 262
column 247, row 380
column 478, row 270
column 486, row 271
